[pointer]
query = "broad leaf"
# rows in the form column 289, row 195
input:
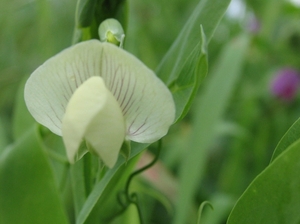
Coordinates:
column 28, row 193
column 292, row 135
column 274, row 196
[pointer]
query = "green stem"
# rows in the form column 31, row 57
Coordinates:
column 101, row 171
column 88, row 179
column 64, row 178
column 78, row 185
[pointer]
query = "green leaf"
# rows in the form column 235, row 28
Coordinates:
column 78, row 185
column 22, row 119
column 210, row 108
column 292, row 135
column 193, row 72
column 130, row 216
column 96, row 193
column 3, row 135
column 85, row 12
column 208, row 13
column 273, row 197
column 28, row 193
column 105, row 182
column 108, row 203
column 125, row 150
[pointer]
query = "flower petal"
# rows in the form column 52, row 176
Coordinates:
column 50, row 87
column 146, row 102
column 94, row 115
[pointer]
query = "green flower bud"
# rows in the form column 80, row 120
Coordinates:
column 110, row 30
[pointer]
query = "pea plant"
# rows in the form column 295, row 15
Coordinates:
column 118, row 111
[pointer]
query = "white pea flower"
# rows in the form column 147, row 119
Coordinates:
column 101, row 94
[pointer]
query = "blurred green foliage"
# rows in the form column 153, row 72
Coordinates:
column 31, row 32
column 250, row 121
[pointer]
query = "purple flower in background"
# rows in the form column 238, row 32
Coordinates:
column 285, row 84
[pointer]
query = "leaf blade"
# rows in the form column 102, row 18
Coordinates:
column 193, row 72
column 27, row 184
column 208, row 13
column 273, row 196
column 209, row 113
column 289, row 137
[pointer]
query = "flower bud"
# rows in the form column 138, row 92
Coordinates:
column 110, row 30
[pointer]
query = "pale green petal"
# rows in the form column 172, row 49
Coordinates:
column 51, row 85
column 94, row 115
column 145, row 101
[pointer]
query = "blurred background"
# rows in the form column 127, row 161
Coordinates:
column 263, row 103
